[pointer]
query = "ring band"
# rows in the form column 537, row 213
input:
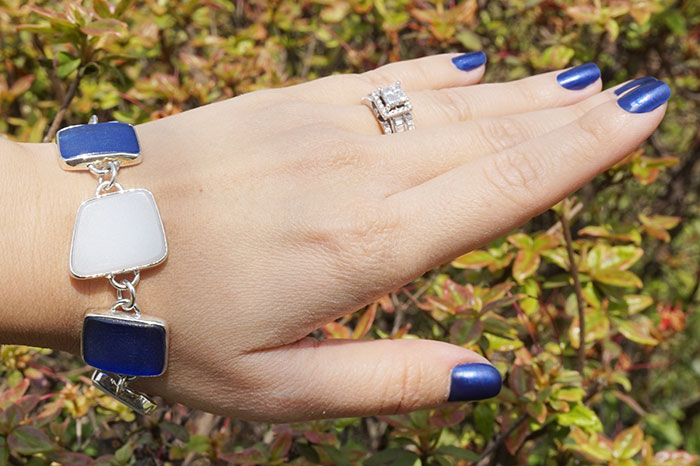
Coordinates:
column 392, row 108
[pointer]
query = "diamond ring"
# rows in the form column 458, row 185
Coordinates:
column 392, row 108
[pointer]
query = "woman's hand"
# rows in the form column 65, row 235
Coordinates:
column 286, row 209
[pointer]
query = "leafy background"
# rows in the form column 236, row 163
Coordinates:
column 623, row 391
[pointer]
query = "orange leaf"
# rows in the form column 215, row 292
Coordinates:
column 364, row 323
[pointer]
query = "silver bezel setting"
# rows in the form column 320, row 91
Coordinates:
column 148, row 320
column 82, row 161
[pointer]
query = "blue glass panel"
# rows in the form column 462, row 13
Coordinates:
column 124, row 346
column 112, row 137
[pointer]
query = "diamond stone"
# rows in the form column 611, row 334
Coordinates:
column 393, row 96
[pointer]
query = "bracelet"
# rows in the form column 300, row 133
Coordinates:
column 118, row 231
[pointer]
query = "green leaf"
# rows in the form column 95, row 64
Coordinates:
column 557, row 256
column 176, row 430
column 590, row 295
column 466, row 332
column 526, row 263
column 459, row 453
column 628, row 443
column 102, row 8
column 384, row 457
column 554, row 57
column 658, row 225
column 604, row 257
column 597, row 327
column 520, row 240
column 105, row 26
column 55, row 18
column 473, row 260
column 121, row 7
column 615, row 277
column 571, row 394
column 637, row 303
column 198, row 444
column 308, row 452
column 67, row 63
column 484, row 419
column 537, row 410
column 124, row 453
column 4, row 452
column 580, row 416
column 469, row 40
column 27, row 440
column 595, row 453
column 502, row 344
column 638, row 331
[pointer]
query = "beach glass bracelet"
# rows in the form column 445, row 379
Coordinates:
column 118, row 232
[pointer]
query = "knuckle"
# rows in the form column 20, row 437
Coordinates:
column 454, row 104
column 363, row 243
column 405, row 392
column 595, row 132
column 517, row 177
column 382, row 76
column 333, row 150
column 344, row 151
column 503, row 133
column 531, row 94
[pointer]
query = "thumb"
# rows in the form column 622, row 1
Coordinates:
column 344, row 378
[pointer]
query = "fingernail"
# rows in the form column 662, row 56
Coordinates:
column 579, row 77
column 469, row 61
column 471, row 382
column 634, row 83
column 645, row 98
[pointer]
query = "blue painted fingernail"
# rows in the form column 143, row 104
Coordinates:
column 579, row 77
column 645, row 98
column 634, row 83
column 469, row 61
column 471, row 382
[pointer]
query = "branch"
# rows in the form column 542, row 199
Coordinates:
column 577, row 287
column 58, row 119
column 501, row 438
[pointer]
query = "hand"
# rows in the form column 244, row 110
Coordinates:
column 285, row 209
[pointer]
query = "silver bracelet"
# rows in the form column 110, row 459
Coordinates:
column 118, row 231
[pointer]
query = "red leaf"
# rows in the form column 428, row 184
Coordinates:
column 13, row 394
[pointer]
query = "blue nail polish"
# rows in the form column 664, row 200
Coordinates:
column 469, row 61
column 645, row 98
column 634, row 83
column 579, row 77
column 471, row 382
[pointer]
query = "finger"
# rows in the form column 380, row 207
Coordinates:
column 404, row 158
column 487, row 197
column 555, row 89
column 433, row 107
column 343, row 378
column 434, row 72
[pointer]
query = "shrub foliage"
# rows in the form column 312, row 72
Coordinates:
column 589, row 311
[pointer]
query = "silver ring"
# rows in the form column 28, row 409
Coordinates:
column 391, row 108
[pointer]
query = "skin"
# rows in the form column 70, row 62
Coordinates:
column 285, row 209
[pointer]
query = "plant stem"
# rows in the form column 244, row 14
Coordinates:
column 577, row 288
column 58, row 119
column 501, row 438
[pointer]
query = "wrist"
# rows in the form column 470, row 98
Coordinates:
column 41, row 305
